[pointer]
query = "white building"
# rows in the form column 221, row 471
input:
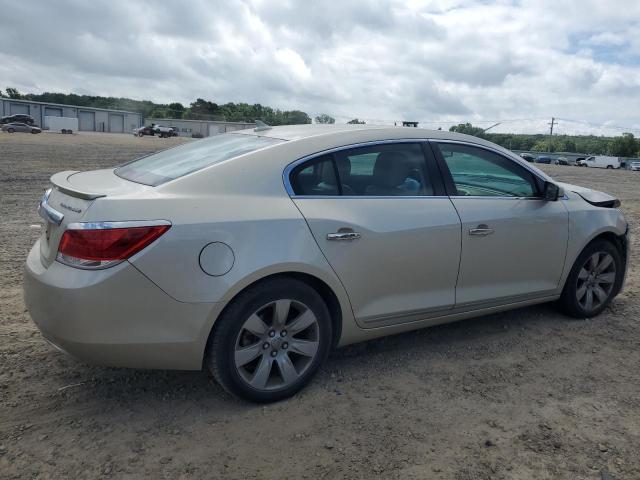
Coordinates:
column 206, row 128
column 89, row 119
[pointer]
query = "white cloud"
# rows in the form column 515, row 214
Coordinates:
column 442, row 60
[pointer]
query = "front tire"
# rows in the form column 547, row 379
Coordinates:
column 595, row 278
column 270, row 341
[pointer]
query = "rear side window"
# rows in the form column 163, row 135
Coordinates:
column 316, row 177
column 382, row 170
column 176, row 162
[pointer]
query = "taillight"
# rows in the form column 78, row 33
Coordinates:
column 102, row 245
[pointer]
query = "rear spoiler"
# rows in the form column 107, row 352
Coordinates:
column 61, row 182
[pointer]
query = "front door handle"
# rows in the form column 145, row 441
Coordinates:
column 481, row 230
column 348, row 236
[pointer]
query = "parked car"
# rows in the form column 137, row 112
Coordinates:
column 528, row 157
column 543, row 159
column 561, row 161
column 17, row 118
column 174, row 131
column 164, row 132
column 145, row 130
column 254, row 253
column 602, row 162
column 635, row 166
column 20, row 127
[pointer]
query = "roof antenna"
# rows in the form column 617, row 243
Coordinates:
column 261, row 126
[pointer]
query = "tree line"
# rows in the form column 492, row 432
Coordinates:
column 625, row 145
column 198, row 110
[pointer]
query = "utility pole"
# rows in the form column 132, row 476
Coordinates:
column 552, row 123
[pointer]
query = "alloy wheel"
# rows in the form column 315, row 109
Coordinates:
column 596, row 279
column 276, row 345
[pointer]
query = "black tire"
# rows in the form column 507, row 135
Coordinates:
column 568, row 301
column 220, row 349
column 35, row 131
column 10, row 130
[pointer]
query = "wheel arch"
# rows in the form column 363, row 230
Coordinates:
column 619, row 240
column 330, row 297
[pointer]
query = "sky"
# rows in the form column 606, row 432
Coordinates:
column 439, row 62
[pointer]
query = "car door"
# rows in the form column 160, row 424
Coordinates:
column 380, row 215
column 513, row 241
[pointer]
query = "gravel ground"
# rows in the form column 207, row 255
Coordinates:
column 528, row 394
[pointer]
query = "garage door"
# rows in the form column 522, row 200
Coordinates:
column 215, row 129
column 16, row 108
column 52, row 112
column 87, row 121
column 116, row 123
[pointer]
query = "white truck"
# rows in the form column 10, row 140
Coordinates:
column 600, row 162
column 61, row 124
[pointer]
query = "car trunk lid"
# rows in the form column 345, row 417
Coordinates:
column 71, row 196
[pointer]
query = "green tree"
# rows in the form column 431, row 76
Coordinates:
column 624, row 146
column 13, row 93
column 468, row 129
column 355, row 121
column 324, row 118
column 175, row 110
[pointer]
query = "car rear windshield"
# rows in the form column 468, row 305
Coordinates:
column 176, row 162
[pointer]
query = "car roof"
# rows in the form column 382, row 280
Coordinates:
column 299, row 132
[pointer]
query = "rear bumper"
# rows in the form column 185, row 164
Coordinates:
column 116, row 316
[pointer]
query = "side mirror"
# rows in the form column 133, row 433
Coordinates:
column 552, row 191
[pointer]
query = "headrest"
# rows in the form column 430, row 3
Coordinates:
column 391, row 169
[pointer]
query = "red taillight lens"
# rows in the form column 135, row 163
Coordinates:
column 102, row 247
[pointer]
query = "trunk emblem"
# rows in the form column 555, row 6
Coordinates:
column 68, row 207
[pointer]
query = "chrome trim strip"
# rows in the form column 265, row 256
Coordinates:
column 369, row 197
column 436, row 312
column 287, row 171
column 47, row 212
column 119, row 224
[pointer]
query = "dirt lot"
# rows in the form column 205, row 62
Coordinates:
column 528, row 394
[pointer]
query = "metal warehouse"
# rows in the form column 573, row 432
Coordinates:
column 206, row 128
column 89, row 119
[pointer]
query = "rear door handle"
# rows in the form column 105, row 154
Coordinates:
column 343, row 236
column 481, row 230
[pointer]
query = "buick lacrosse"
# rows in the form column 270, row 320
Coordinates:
column 252, row 254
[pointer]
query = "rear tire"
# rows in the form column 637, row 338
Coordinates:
column 595, row 279
column 270, row 341
column 10, row 130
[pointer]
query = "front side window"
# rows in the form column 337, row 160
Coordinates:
column 479, row 172
column 176, row 162
column 379, row 170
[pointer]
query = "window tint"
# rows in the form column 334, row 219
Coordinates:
column 384, row 170
column 176, row 162
column 316, row 177
column 479, row 172
column 379, row 170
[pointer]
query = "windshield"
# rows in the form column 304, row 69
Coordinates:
column 176, row 162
